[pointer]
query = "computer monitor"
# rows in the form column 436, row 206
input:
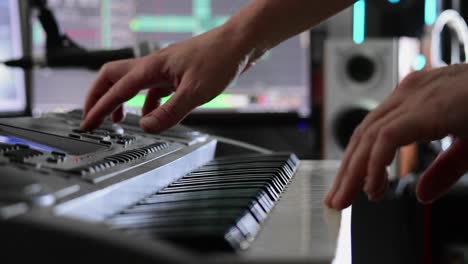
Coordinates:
column 279, row 83
column 12, row 81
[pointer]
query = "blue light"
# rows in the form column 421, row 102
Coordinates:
column 430, row 12
column 394, row 1
column 302, row 126
column 359, row 21
column 420, row 62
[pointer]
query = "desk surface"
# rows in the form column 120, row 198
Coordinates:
column 301, row 229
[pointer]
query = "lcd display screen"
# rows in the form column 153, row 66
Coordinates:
column 15, row 140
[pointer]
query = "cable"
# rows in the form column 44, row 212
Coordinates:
column 454, row 21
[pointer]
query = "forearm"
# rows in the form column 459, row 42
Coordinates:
column 263, row 24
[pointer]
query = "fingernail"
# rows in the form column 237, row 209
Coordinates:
column 83, row 125
column 424, row 201
column 150, row 123
column 334, row 202
column 327, row 201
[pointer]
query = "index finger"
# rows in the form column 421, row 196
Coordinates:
column 104, row 81
column 122, row 91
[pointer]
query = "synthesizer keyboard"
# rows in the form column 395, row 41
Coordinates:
column 167, row 186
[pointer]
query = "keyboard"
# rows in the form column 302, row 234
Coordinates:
column 168, row 186
column 222, row 203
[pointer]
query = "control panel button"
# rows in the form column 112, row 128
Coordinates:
column 100, row 132
column 95, row 137
column 7, row 147
column 21, row 154
column 78, row 131
column 122, row 142
column 105, row 142
column 52, row 160
column 60, row 154
column 74, row 136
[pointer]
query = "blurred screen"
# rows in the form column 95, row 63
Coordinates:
column 279, row 82
column 12, row 86
column 16, row 140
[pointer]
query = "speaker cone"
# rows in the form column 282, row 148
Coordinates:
column 345, row 124
column 360, row 68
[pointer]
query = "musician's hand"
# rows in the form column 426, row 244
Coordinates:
column 196, row 71
column 426, row 106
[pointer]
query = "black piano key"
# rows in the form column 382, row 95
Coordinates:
column 238, row 176
column 200, row 187
column 255, row 157
column 291, row 160
column 252, row 193
column 268, row 189
column 142, row 221
column 245, row 222
column 274, row 165
column 292, row 164
column 275, row 183
column 196, row 207
column 285, row 177
column 162, row 223
column 274, row 171
column 127, row 219
column 202, row 238
column 147, row 220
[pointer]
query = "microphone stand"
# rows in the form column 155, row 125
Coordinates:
column 63, row 52
column 57, row 43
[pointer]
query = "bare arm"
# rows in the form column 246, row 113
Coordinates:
column 198, row 69
column 263, row 24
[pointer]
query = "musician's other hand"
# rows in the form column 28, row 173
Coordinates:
column 427, row 105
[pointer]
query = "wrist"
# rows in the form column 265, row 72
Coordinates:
column 245, row 41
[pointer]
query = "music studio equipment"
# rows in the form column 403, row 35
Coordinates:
column 357, row 79
column 81, row 58
column 63, row 52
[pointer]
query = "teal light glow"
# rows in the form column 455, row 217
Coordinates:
column 394, row 1
column 430, row 12
column 359, row 21
column 420, row 62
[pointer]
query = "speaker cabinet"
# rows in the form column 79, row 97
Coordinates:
column 357, row 79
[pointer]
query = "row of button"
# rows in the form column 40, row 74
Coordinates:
column 120, row 158
column 95, row 167
column 57, row 157
column 19, row 152
column 104, row 137
column 7, row 147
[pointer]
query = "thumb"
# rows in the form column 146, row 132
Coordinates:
column 169, row 114
column 443, row 172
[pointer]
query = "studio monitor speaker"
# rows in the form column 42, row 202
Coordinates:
column 357, row 79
